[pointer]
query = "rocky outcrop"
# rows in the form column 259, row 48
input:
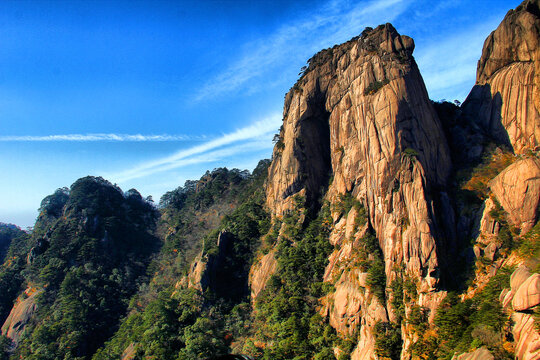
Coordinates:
column 527, row 339
column 505, row 102
column 518, row 277
column 195, row 275
column 478, row 354
column 517, row 188
column 352, row 306
column 527, row 295
column 359, row 123
column 486, row 249
column 387, row 147
column 520, row 301
column 220, row 269
column 21, row 313
column 352, row 309
column 261, row 272
column 361, row 114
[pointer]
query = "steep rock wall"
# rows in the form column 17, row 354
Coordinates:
column 380, row 142
column 518, row 190
column 519, row 301
column 504, row 105
column 505, row 102
column 21, row 314
column 361, row 114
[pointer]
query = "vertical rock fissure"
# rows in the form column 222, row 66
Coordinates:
column 312, row 148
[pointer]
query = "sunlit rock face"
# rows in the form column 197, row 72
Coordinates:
column 359, row 121
column 505, row 102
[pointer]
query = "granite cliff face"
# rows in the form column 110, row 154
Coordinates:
column 519, row 301
column 517, row 188
column 361, row 115
column 359, row 123
column 23, row 310
column 505, row 102
column 380, row 140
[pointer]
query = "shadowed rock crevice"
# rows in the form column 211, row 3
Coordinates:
column 312, row 149
column 482, row 110
column 226, row 276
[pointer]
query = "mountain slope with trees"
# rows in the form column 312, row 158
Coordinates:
column 385, row 226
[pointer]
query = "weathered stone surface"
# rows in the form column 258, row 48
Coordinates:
column 369, row 132
column 21, row 313
column 490, row 251
column 506, row 297
column 478, row 354
column 518, row 277
column 360, row 116
column 196, row 272
column 261, row 272
column 489, row 227
column 365, row 350
column 516, row 39
column 523, row 295
column 361, row 113
column 506, row 100
column 432, row 301
column 517, row 189
column 486, row 247
column 528, row 294
column 527, row 339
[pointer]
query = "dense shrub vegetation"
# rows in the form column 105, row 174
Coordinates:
column 375, row 86
column 8, row 232
column 465, row 325
column 285, row 313
column 494, row 161
column 169, row 321
column 87, row 253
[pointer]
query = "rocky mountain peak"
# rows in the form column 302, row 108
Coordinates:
column 349, row 82
column 359, row 124
column 505, row 103
column 516, row 39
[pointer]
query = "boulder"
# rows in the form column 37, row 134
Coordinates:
column 519, row 276
column 490, row 251
column 527, row 338
column 528, row 294
column 517, row 188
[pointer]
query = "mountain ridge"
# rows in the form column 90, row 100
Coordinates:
column 382, row 221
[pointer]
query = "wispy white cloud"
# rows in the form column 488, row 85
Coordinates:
column 432, row 8
column 294, row 42
column 103, row 137
column 256, row 136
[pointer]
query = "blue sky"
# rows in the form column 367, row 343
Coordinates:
column 150, row 93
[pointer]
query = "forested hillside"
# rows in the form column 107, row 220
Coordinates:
column 8, row 232
column 84, row 260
